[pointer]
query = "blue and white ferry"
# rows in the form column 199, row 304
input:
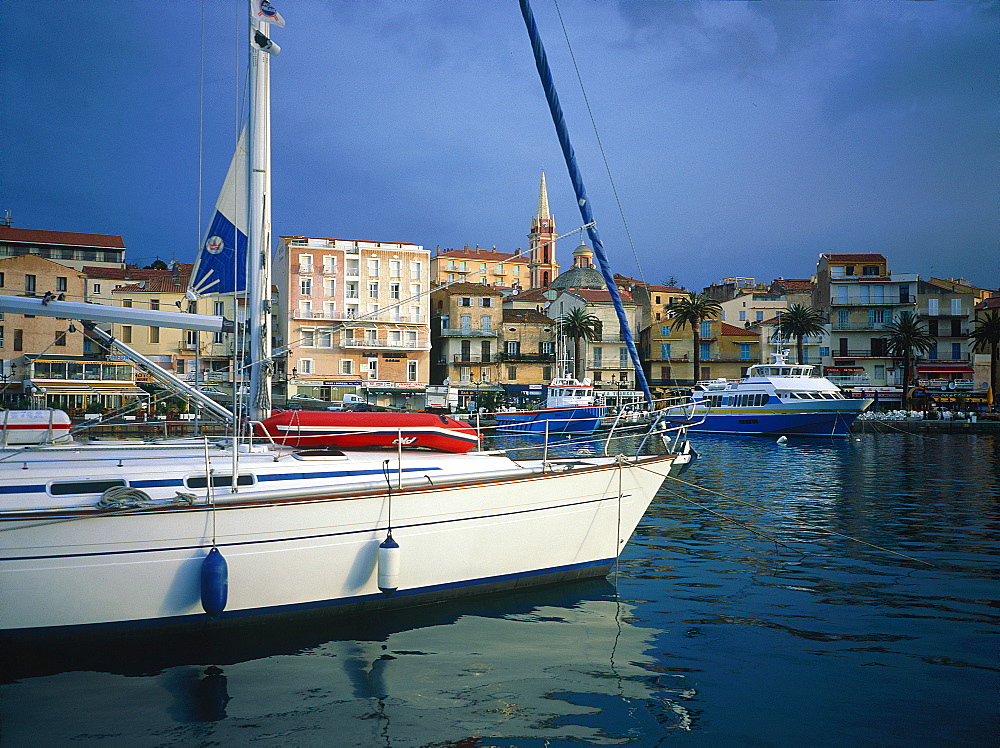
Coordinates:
column 572, row 407
column 776, row 398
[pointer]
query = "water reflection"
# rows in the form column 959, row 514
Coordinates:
column 566, row 662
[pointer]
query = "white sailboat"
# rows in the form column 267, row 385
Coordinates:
column 128, row 534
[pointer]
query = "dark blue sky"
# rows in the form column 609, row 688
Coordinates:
column 743, row 138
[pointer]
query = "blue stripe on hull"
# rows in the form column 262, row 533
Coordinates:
column 800, row 424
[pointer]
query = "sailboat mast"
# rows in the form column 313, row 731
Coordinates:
column 259, row 232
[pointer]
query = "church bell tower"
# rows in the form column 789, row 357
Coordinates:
column 542, row 266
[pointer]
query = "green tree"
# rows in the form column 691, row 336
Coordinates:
column 580, row 326
column 798, row 321
column 691, row 312
column 907, row 336
column 986, row 336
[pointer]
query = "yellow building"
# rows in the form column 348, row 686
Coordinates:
column 481, row 266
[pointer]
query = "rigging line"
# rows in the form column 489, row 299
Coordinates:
column 727, row 518
column 600, row 145
column 794, row 519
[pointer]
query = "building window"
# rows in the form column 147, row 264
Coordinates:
column 60, row 337
column 191, row 338
column 154, row 303
column 486, row 302
column 329, row 264
column 308, row 338
column 346, row 366
column 706, row 350
column 373, row 267
column 154, row 334
column 465, row 301
column 373, row 290
column 18, row 340
column 127, row 333
column 1, row 280
column 706, row 329
column 956, row 351
column 127, row 303
column 29, row 284
column 546, row 373
column 330, row 286
column 465, row 373
column 511, row 373
column 416, row 270
column 373, row 368
column 305, row 263
column 760, row 316
column 743, row 316
column 395, row 268
column 305, row 366
column 394, row 291
column 305, row 286
column 411, row 371
column 60, row 283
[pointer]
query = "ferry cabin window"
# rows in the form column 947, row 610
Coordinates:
column 198, row 481
column 69, row 487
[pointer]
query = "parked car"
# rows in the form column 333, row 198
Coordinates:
column 305, row 397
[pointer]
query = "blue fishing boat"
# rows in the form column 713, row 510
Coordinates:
column 776, row 398
column 572, row 407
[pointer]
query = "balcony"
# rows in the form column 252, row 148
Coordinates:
column 528, row 358
column 467, row 332
column 473, row 359
column 614, row 364
column 944, row 312
column 849, row 326
column 369, row 343
column 306, row 270
column 866, row 301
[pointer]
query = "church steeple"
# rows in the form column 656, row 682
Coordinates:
column 542, row 266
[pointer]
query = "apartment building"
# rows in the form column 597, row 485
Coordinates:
column 480, row 266
column 467, row 331
column 354, row 318
column 947, row 309
column 861, row 297
column 528, row 355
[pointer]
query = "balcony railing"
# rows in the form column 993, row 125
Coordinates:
column 943, row 311
column 382, row 343
column 608, row 363
column 467, row 332
column 528, row 358
column 872, row 301
column 848, row 326
column 473, row 359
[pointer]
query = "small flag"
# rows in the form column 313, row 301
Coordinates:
column 266, row 12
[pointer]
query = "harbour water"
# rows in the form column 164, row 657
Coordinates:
column 744, row 612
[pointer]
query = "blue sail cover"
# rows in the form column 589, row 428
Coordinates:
column 220, row 267
column 545, row 74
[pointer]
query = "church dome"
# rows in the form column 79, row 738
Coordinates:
column 579, row 278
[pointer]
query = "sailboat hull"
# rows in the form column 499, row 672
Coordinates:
column 144, row 568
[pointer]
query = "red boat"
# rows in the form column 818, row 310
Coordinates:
column 352, row 430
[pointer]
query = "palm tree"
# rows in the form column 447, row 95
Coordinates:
column 691, row 312
column 798, row 321
column 985, row 336
column 580, row 326
column 906, row 337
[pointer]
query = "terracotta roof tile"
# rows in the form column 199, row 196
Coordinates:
column 483, row 255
